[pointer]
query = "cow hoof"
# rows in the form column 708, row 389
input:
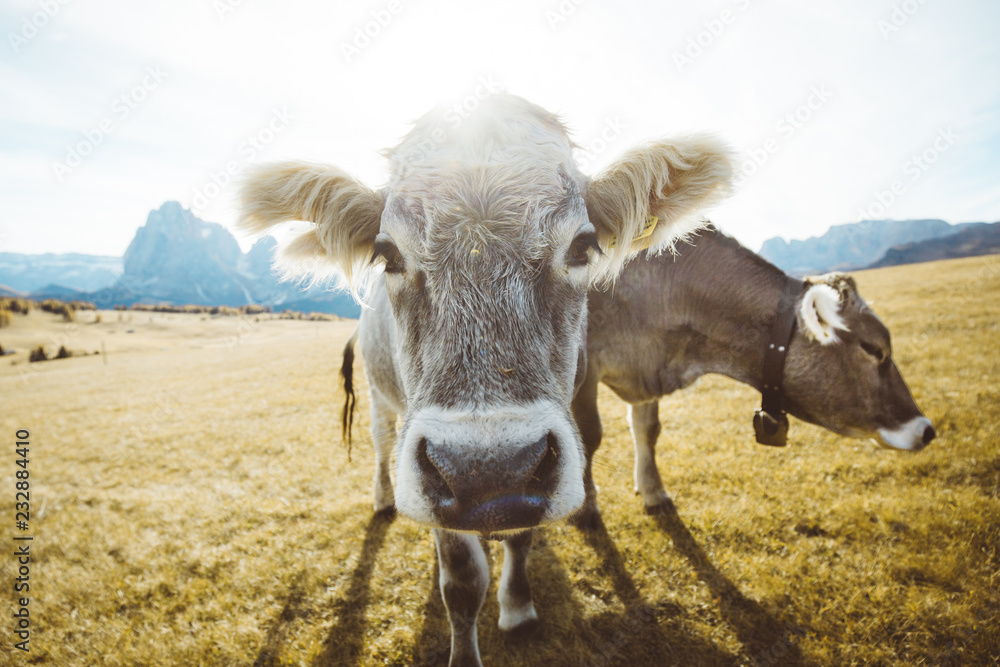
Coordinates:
column 588, row 519
column 522, row 631
column 664, row 504
column 387, row 512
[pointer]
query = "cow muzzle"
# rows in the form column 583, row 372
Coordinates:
column 491, row 474
column 505, row 489
column 912, row 436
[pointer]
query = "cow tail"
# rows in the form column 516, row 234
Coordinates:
column 351, row 398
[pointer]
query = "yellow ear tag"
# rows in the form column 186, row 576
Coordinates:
column 647, row 230
column 648, row 227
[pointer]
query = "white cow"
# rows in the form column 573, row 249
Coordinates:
column 477, row 258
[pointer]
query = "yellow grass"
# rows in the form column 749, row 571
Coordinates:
column 192, row 505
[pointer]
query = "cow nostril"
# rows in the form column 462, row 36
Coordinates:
column 544, row 474
column 434, row 482
column 929, row 434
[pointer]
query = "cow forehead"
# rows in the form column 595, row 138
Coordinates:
column 502, row 163
column 464, row 208
column 486, row 196
column 503, row 125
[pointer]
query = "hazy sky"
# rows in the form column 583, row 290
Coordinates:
column 838, row 110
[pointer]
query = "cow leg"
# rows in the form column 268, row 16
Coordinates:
column 383, row 426
column 644, row 422
column 517, row 611
column 588, row 421
column 465, row 576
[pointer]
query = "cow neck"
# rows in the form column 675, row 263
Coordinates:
column 736, row 297
column 746, row 309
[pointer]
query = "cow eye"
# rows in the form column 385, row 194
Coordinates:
column 579, row 250
column 874, row 350
column 387, row 252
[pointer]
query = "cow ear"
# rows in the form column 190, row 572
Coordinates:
column 843, row 283
column 648, row 197
column 345, row 213
column 819, row 314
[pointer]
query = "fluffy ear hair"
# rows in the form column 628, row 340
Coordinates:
column 843, row 283
column 345, row 212
column 819, row 313
column 668, row 180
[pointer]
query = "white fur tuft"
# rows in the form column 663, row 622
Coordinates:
column 820, row 313
column 672, row 180
column 345, row 215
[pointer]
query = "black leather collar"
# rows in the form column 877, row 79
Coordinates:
column 770, row 423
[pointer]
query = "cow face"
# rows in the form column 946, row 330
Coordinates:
column 488, row 238
column 840, row 373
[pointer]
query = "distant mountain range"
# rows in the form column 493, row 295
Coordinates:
column 972, row 240
column 175, row 258
column 28, row 273
column 857, row 246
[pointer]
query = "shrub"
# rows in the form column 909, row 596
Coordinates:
column 63, row 353
column 5, row 318
column 57, row 307
column 38, row 354
column 14, row 305
column 223, row 310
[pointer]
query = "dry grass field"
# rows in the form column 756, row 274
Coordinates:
column 191, row 504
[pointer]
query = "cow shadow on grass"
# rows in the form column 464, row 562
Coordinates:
column 765, row 639
column 641, row 633
column 433, row 643
column 295, row 608
column 344, row 641
column 649, row 632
